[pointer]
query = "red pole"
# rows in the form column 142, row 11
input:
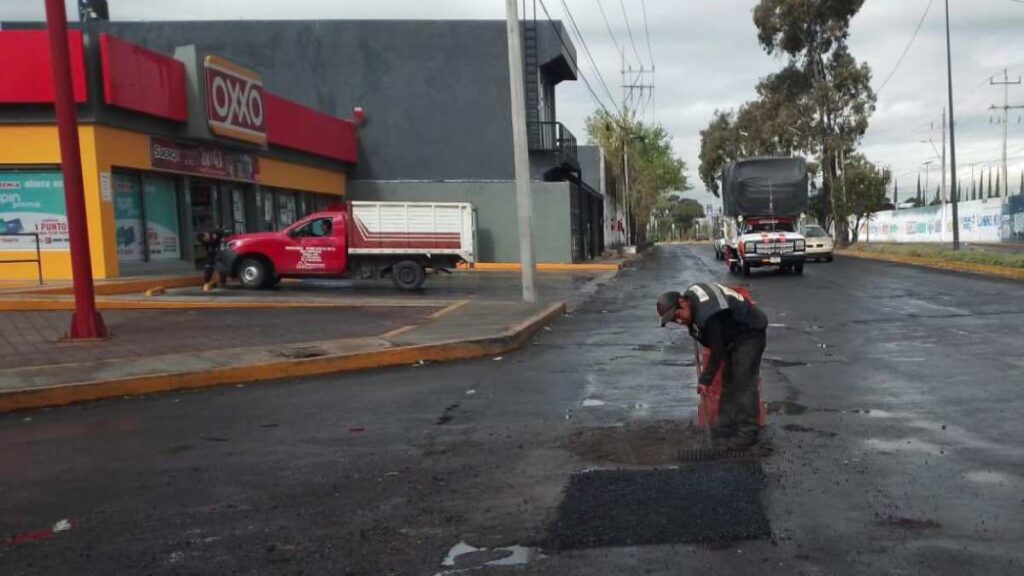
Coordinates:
column 86, row 322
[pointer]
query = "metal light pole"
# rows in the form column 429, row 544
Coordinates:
column 952, row 135
column 86, row 322
column 521, row 154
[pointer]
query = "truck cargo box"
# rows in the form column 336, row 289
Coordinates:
column 765, row 187
column 400, row 227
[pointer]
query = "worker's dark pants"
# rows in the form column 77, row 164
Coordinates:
column 210, row 267
column 738, row 409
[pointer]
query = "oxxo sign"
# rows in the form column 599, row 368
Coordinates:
column 234, row 101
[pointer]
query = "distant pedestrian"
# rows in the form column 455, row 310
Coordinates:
column 211, row 243
column 733, row 329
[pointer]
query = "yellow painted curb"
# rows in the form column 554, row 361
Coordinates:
column 543, row 267
column 966, row 267
column 116, row 287
column 53, row 304
column 510, row 340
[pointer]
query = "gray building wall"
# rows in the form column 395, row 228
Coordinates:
column 495, row 206
column 590, row 167
column 435, row 92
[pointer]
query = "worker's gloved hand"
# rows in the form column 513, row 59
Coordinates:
column 703, row 390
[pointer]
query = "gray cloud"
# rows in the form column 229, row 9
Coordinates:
column 707, row 58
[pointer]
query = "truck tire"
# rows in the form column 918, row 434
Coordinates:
column 746, row 269
column 799, row 269
column 408, row 275
column 253, row 273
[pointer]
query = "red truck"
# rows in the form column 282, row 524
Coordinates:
column 397, row 240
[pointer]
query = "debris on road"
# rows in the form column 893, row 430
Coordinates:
column 591, row 402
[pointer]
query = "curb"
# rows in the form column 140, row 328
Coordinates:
column 115, row 287
column 962, row 267
column 29, row 305
column 512, row 339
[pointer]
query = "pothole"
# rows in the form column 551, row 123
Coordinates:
column 647, row 444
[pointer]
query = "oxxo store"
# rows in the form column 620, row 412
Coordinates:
column 171, row 146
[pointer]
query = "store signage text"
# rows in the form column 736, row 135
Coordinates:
column 203, row 160
column 234, row 101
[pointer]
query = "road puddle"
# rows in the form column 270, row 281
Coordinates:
column 905, row 445
column 781, row 363
column 990, row 478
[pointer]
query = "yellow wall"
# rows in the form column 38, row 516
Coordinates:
column 103, row 149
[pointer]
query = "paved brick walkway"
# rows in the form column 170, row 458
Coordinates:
column 30, row 338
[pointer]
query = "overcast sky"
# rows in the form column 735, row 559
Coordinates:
column 707, row 57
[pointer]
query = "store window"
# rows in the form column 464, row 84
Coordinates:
column 286, row 214
column 238, row 210
column 130, row 234
column 163, row 230
column 32, row 202
column 146, row 218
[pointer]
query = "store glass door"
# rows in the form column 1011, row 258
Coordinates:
column 163, row 232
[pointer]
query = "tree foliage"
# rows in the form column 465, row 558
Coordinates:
column 654, row 169
column 861, row 187
column 818, row 104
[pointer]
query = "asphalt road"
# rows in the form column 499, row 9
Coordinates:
column 894, row 429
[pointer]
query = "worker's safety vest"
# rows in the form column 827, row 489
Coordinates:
column 707, row 300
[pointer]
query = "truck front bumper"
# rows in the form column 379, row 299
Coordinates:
column 761, row 260
column 226, row 260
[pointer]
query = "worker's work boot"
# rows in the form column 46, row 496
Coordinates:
column 209, row 286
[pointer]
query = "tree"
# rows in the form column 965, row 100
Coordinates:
column 678, row 213
column 990, row 183
column 918, row 198
column 864, row 193
column 896, row 193
column 937, row 199
column 654, row 170
column 813, row 34
column 997, row 185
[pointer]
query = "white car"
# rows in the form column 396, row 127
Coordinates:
column 819, row 244
column 720, row 248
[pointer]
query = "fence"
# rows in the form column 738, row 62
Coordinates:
column 38, row 260
column 988, row 220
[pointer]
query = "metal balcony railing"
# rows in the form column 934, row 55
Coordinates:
column 553, row 137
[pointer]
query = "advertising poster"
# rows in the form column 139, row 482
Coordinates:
column 161, row 219
column 128, row 217
column 32, row 202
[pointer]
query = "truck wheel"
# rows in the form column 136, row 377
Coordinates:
column 252, row 273
column 799, row 269
column 408, row 275
column 829, row 258
column 746, row 269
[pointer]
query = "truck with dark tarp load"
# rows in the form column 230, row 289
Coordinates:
column 763, row 203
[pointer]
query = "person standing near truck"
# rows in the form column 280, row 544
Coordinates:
column 211, row 243
column 734, row 330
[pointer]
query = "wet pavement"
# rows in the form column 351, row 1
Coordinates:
column 894, row 446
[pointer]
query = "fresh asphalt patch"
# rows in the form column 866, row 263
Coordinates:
column 710, row 503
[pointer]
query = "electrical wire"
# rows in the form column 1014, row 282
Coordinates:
column 586, row 50
column 608, row 26
column 907, row 49
column 647, row 33
column 629, row 29
column 575, row 65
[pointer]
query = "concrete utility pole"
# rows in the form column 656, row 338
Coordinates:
column 625, row 183
column 521, row 154
column 952, row 134
column 86, row 322
column 1006, row 83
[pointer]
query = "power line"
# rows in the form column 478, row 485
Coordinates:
column 629, row 29
column 575, row 65
column 647, row 33
column 608, row 26
column 586, row 50
column 907, row 49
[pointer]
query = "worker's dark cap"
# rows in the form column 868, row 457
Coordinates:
column 668, row 303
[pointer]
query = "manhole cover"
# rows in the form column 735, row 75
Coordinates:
column 709, row 503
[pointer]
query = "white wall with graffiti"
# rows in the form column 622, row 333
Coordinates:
column 989, row 220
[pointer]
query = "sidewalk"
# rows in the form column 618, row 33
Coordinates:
column 199, row 339
column 1004, row 261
